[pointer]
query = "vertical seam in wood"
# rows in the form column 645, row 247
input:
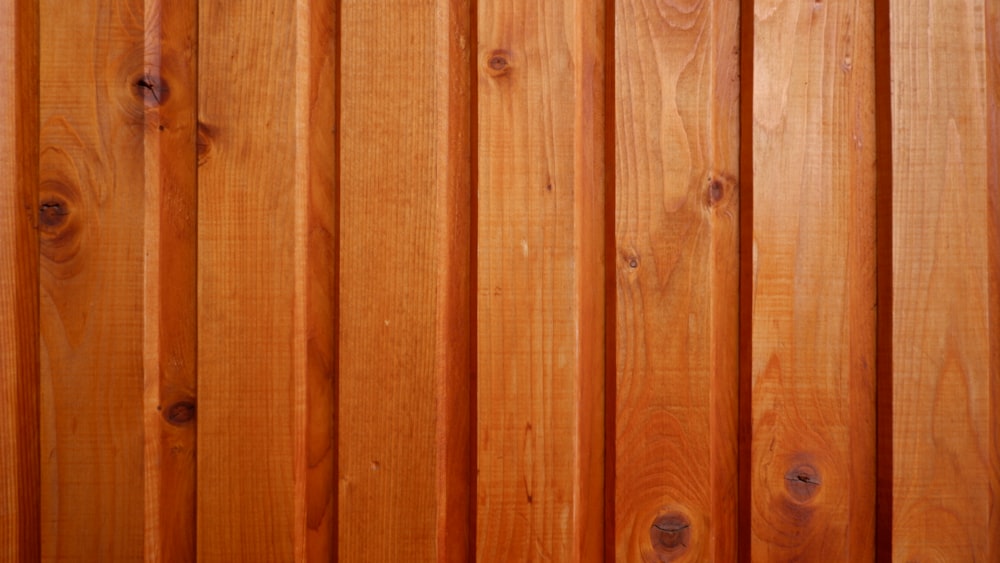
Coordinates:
column 883, row 283
column 337, row 179
column 610, row 283
column 473, row 116
column 745, row 400
column 993, row 231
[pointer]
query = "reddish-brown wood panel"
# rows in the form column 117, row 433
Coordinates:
column 169, row 93
column 19, row 463
column 265, row 261
column 945, row 373
column 677, row 198
column 812, row 464
column 91, row 229
column 540, row 280
column 405, row 363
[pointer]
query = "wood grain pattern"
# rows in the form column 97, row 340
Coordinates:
column 993, row 252
column 91, row 228
column 541, row 281
column 265, row 343
column 169, row 92
column 812, row 451
column 676, row 118
column 19, row 463
column 944, row 356
column 405, row 349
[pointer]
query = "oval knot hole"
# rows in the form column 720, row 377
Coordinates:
column 498, row 63
column 670, row 533
column 802, row 482
column 180, row 413
column 52, row 213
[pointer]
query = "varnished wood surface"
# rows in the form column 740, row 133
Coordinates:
column 812, row 465
column 677, row 190
column 91, row 231
column 540, row 288
column 405, row 336
column 19, row 464
column 945, row 294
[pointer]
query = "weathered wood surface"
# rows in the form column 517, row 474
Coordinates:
column 676, row 132
column 813, row 331
column 405, row 475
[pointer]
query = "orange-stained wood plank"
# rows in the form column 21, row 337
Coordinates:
column 19, row 463
column 813, row 353
column 265, row 221
column 677, row 264
column 945, row 354
column 405, row 335
column 169, row 92
column 540, row 281
column 315, row 341
column 92, row 231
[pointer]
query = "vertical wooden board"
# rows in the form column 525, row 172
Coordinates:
column 993, row 251
column 405, row 335
column 91, row 230
column 677, row 159
column 813, row 321
column 19, row 469
column 255, row 366
column 541, row 281
column 315, row 340
column 944, row 355
column 168, row 89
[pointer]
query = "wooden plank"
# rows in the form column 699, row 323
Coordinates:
column 540, row 281
column 19, row 464
column 405, row 335
column 169, row 89
column 315, row 340
column 945, row 355
column 813, row 328
column 677, row 264
column 993, row 251
column 265, row 337
column 91, row 230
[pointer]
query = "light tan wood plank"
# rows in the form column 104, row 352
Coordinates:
column 677, row 264
column 540, row 281
column 92, row 231
column 405, row 334
column 169, row 92
column 813, row 353
column 19, row 463
column 945, row 308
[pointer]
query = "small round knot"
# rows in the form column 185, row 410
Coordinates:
column 180, row 413
column 802, row 482
column 498, row 62
column 670, row 533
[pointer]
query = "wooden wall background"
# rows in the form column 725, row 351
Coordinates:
column 500, row 280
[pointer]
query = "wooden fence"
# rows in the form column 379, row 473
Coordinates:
column 500, row 280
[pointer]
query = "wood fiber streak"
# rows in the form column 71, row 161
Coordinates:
column 405, row 335
column 91, row 229
column 19, row 463
column 252, row 366
column 945, row 277
column 813, row 328
column 540, row 281
column 677, row 160
column 993, row 251
column 167, row 86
